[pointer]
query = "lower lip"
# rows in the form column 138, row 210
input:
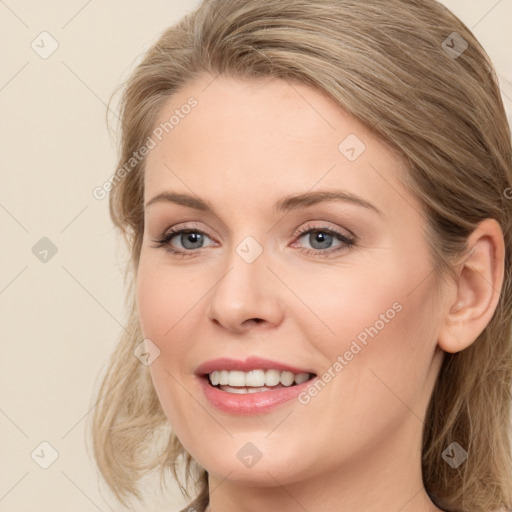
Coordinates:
column 250, row 403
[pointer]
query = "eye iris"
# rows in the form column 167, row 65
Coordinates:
column 192, row 237
column 323, row 238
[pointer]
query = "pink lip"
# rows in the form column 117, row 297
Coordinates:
column 250, row 403
column 251, row 363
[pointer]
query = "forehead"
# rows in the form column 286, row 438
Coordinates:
column 253, row 137
column 260, row 107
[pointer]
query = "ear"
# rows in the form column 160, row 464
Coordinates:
column 474, row 296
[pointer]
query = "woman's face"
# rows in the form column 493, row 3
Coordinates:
column 340, row 288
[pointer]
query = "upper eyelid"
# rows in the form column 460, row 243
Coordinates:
column 178, row 229
column 304, row 228
column 347, row 242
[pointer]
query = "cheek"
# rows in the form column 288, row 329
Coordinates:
column 376, row 364
column 151, row 302
column 374, row 323
column 347, row 305
column 386, row 342
column 161, row 305
column 161, row 299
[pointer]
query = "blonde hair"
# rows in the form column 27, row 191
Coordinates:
column 387, row 64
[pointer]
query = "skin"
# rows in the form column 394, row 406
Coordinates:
column 356, row 446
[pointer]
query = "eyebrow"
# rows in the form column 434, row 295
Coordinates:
column 284, row 204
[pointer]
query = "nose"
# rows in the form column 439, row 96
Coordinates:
column 247, row 294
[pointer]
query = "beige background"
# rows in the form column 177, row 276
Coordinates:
column 61, row 318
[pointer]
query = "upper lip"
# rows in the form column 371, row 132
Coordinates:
column 251, row 363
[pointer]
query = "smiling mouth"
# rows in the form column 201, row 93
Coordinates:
column 255, row 381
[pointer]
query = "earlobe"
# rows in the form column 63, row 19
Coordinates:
column 477, row 290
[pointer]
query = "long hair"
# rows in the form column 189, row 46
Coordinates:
column 415, row 75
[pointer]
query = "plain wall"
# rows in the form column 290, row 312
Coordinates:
column 61, row 318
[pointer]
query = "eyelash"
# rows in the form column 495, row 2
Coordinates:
column 348, row 241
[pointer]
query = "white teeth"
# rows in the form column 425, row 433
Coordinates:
column 287, row 378
column 256, row 378
column 272, row 377
column 301, row 377
column 243, row 391
column 224, row 378
column 240, row 391
column 236, row 378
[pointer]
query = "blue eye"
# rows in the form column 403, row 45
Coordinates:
column 192, row 239
column 324, row 237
